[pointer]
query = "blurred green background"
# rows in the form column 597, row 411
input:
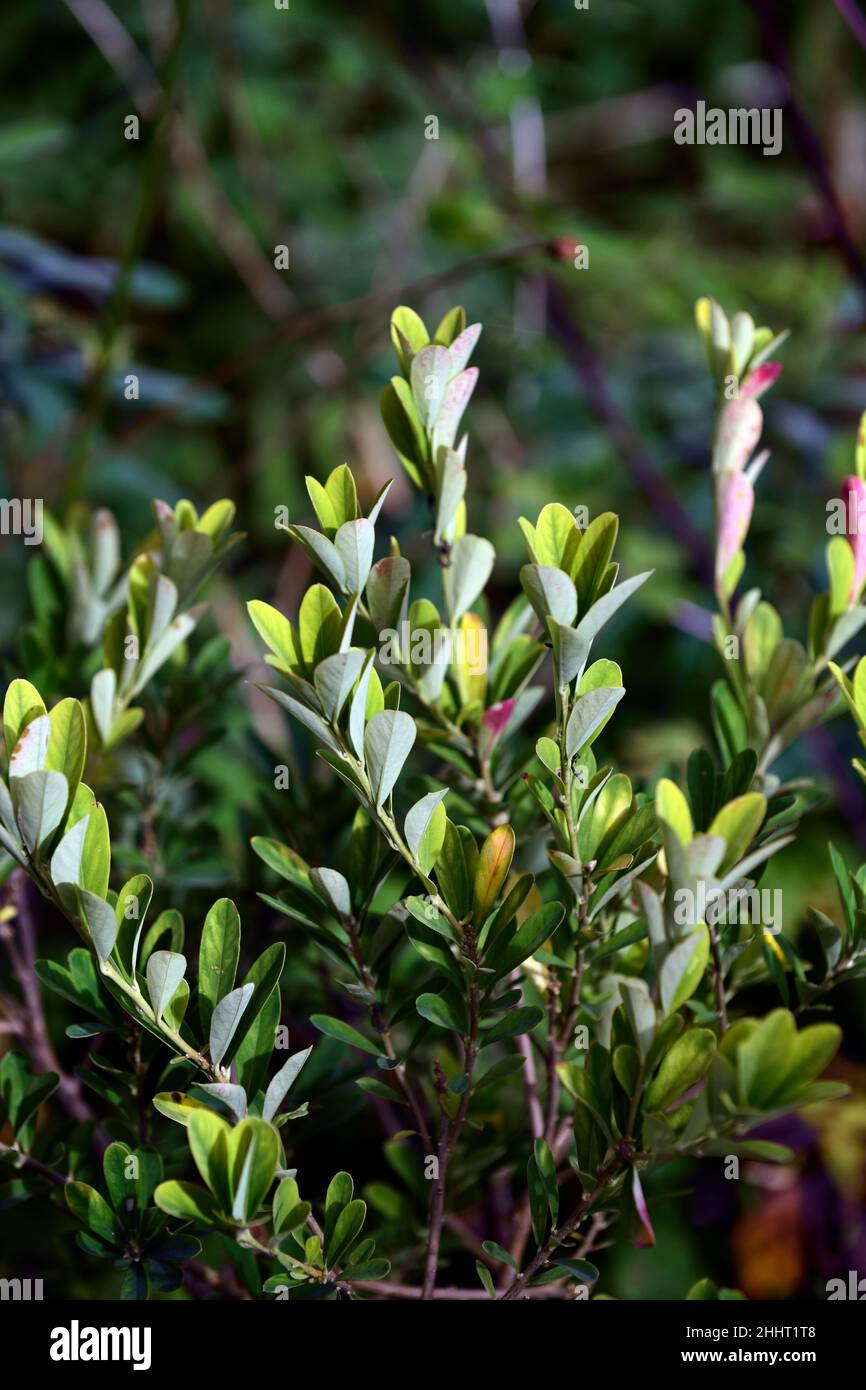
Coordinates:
column 306, row 128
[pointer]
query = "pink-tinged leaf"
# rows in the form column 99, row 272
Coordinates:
column 645, row 1236
column 494, row 722
column 462, row 347
column 453, row 405
column 854, row 497
column 497, row 716
column 740, row 425
column 736, row 498
column 760, row 380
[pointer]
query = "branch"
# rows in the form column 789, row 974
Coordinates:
column 22, row 955
column 606, row 1175
column 806, row 140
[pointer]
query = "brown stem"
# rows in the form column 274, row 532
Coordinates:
column 23, row 1160
column 604, row 1178
column 718, row 978
column 381, row 1027
column 22, row 954
column 450, row 1131
column 437, row 1198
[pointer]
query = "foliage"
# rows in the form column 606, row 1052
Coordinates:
column 545, row 968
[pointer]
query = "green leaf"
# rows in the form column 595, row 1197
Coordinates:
column 354, row 543
column 335, row 678
column 681, row 1067
column 547, row 751
column 342, row 494
column 100, row 921
column 588, row 713
column 22, row 705
column 424, row 829
column 41, row 804
column 593, row 557
column 179, row 1107
column 347, row 1228
column 254, row 1051
column 284, row 861
column 490, row 1247
column 775, row 1062
column 285, row 1203
column 538, row 1203
column 95, row 865
column 321, row 551
column 470, row 568
column 282, row 1082
column 130, row 911
column 254, row 1150
column 333, row 890
column 165, row 970
column 225, row 1019
column 218, row 957
column 546, row 1166
column 762, row 634
column 738, row 823
column 582, row 1270
column 319, row 623
column 452, row 872
column 452, row 326
column 92, row 1210
column 671, row 806
column 683, row 969
column 408, row 335
column 438, row 1010
column 276, row 631
column 119, row 1179
column 67, row 744
column 21, row 1091
column 518, row 1021
column 551, row 594
column 840, row 569
column 167, row 927
column 340, row 1191
column 264, row 975
column 344, row 1032
column 388, row 741
column 210, row 1139
column 189, row 1202
column 556, row 538
column 527, row 939
column 387, row 587
column 569, row 655
column 404, row 429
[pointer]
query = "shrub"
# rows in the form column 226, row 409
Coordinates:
column 543, row 968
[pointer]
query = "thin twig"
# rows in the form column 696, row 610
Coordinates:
column 804, row 135
column 518, row 1289
column 21, row 949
